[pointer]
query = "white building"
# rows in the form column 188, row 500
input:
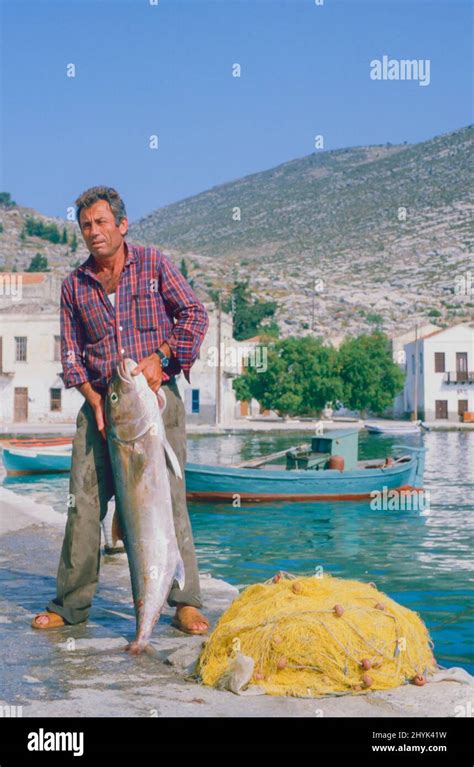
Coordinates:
column 215, row 362
column 30, row 387
column 400, row 405
column 445, row 360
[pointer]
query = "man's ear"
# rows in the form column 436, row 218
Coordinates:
column 123, row 226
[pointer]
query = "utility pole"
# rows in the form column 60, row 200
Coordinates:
column 219, row 362
column 313, row 305
column 415, row 395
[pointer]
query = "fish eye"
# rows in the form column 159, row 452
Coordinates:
column 114, row 397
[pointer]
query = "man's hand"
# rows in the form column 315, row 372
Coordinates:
column 97, row 403
column 152, row 370
column 99, row 412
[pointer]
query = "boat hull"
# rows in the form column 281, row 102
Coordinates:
column 396, row 430
column 23, row 462
column 220, row 483
column 225, row 483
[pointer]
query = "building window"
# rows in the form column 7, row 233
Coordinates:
column 461, row 365
column 57, row 348
column 413, row 364
column 195, row 401
column 55, row 399
column 20, row 344
column 440, row 362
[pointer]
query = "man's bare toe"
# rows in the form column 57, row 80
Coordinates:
column 190, row 620
column 48, row 620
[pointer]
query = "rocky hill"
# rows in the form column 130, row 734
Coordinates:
column 342, row 240
column 17, row 248
column 369, row 235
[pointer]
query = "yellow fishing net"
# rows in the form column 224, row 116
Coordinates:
column 315, row 636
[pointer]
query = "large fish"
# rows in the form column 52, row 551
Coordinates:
column 140, row 455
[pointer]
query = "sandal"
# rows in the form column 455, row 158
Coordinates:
column 55, row 621
column 178, row 623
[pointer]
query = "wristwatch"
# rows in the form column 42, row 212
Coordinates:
column 164, row 359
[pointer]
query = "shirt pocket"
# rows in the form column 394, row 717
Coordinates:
column 146, row 312
column 94, row 320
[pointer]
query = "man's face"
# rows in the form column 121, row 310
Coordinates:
column 101, row 234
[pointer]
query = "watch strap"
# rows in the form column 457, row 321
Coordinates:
column 164, row 359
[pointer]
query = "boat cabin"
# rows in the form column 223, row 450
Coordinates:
column 336, row 443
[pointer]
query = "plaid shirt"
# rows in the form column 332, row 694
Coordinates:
column 153, row 303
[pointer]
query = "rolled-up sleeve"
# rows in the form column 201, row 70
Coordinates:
column 72, row 341
column 190, row 315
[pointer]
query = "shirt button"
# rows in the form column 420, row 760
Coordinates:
column 120, row 327
column 123, row 351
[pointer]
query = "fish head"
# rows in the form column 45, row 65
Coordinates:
column 131, row 407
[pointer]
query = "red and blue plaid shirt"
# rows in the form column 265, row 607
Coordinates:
column 153, row 304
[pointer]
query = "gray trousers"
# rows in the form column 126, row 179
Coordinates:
column 91, row 486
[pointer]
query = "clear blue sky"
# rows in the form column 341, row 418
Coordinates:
column 166, row 70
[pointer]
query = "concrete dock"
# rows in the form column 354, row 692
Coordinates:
column 83, row 670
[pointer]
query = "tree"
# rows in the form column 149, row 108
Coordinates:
column 6, row 200
column 250, row 317
column 374, row 318
column 369, row 376
column 64, row 237
column 183, row 268
column 73, row 242
column 38, row 263
column 300, row 376
column 36, row 228
column 51, row 233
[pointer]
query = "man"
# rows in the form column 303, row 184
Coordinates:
column 123, row 301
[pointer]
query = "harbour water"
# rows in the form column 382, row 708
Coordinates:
column 423, row 560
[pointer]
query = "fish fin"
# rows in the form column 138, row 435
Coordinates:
column 171, row 459
column 117, row 534
column 179, row 573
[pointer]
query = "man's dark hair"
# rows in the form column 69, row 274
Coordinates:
column 96, row 193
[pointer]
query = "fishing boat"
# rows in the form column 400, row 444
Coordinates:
column 21, row 458
column 39, row 442
column 378, row 427
column 327, row 469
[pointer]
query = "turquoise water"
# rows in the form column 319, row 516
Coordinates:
column 422, row 561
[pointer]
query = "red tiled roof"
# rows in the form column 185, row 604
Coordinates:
column 27, row 278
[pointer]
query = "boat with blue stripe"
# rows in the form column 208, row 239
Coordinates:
column 327, row 469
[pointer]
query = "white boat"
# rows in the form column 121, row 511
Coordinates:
column 377, row 427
